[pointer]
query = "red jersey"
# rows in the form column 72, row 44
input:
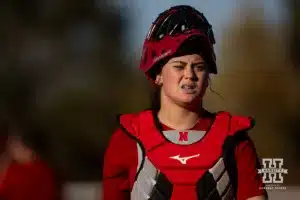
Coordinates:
column 120, row 169
column 30, row 181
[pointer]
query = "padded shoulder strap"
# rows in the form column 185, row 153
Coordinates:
column 240, row 124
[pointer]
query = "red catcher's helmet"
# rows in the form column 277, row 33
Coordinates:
column 180, row 28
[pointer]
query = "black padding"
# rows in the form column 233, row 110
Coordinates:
column 206, row 187
column 163, row 188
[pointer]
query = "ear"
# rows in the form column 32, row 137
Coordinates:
column 159, row 79
column 207, row 81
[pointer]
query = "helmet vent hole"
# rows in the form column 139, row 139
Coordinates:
column 183, row 27
column 153, row 54
column 160, row 36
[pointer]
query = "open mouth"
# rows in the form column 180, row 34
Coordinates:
column 189, row 88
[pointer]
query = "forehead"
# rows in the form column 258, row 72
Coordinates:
column 187, row 58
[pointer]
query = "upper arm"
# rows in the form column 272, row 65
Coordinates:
column 119, row 157
column 249, row 182
column 258, row 198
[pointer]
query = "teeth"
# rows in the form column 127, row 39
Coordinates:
column 188, row 87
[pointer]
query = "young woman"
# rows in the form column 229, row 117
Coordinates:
column 178, row 150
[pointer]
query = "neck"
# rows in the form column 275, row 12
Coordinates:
column 178, row 117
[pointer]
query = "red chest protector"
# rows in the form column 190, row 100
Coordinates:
column 172, row 171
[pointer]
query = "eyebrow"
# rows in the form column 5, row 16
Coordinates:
column 181, row 62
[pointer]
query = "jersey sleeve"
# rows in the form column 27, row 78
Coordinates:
column 119, row 157
column 249, row 182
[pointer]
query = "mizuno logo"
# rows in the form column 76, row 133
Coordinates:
column 183, row 160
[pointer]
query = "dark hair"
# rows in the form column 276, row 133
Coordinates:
column 3, row 134
column 155, row 98
column 196, row 45
column 5, row 124
column 30, row 132
column 187, row 48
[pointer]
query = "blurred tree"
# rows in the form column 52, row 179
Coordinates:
column 82, row 99
column 294, row 8
column 17, row 93
column 63, row 66
column 292, row 125
column 254, row 63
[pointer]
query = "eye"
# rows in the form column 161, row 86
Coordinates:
column 178, row 67
column 200, row 67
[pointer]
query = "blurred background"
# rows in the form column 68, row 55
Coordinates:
column 69, row 67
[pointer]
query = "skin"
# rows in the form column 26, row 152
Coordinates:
column 14, row 149
column 257, row 198
column 182, row 108
column 19, row 151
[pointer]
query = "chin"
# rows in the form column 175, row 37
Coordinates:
column 189, row 100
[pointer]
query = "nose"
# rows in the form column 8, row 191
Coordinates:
column 189, row 73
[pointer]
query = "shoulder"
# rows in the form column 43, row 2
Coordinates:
column 120, row 139
column 130, row 123
column 121, row 146
column 236, row 123
column 130, row 117
column 238, row 127
column 127, row 123
column 36, row 166
column 29, row 173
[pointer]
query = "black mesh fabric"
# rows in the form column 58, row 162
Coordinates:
column 185, row 18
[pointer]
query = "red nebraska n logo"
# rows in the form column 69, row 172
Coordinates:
column 183, row 136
